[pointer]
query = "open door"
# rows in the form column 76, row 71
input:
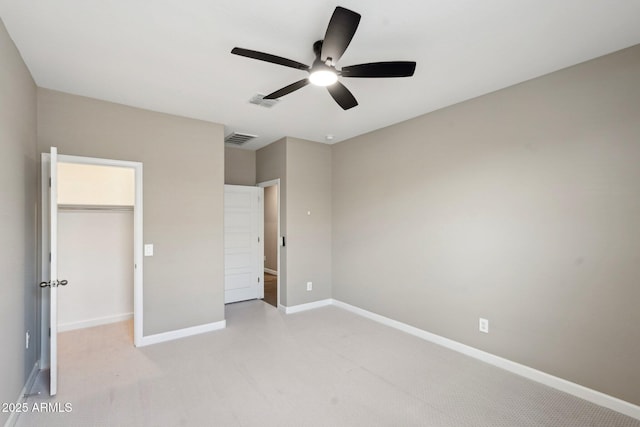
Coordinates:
column 50, row 280
column 243, row 243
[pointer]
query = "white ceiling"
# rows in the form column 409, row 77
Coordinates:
column 174, row 56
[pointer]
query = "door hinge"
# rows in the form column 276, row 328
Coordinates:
column 49, row 256
column 258, row 239
column 49, row 332
column 49, row 182
column 258, row 279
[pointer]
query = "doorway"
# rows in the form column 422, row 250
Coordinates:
column 272, row 272
column 95, row 249
column 131, row 209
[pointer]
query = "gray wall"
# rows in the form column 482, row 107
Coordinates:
column 304, row 169
column 95, row 254
column 521, row 206
column 239, row 166
column 183, row 161
column 309, row 236
column 18, row 199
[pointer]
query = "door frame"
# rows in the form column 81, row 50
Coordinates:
column 138, row 293
column 275, row 183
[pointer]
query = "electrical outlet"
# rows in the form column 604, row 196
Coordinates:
column 309, row 286
column 483, row 325
column 27, row 337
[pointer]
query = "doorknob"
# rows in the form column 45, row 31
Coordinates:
column 53, row 284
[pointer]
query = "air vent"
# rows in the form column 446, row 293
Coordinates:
column 259, row 100
column 238, row 138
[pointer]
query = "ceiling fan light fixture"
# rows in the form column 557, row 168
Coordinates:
column 323, row 77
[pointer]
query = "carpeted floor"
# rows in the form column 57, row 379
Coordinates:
column 322, row 367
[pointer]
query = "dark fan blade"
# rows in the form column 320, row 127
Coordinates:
column 288, row 89
column 342, row 27
column 380, row 69
column 269, row 58
column 342, row 95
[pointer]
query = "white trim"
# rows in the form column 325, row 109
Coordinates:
column 14, row 415
column 67, row 158
column 53, row 271
column 276, row 183
column 97, row 321
column 308, row 306
column 569, row 387
column 138, row 283
column 270, row 271
column 182, row 333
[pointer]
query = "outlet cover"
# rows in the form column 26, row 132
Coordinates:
column 483, row 325
column 309, row 286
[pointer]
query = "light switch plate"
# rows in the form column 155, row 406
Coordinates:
column 483, row 325
column 148, row 249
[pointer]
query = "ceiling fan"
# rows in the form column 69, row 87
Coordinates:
column 323, row 71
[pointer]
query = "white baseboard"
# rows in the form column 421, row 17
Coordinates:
column 308, row 306
column 270, row 271
column 13, row 417
column 182, row 333
column 569, row 387
column 89, row 323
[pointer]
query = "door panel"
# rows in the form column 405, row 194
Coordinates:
column 49, row 283
column 243, row 217
column 237, row 239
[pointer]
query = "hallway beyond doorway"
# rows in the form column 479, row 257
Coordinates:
column 271, row 289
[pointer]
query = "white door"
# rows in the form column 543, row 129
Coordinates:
column 50, row 280
column 243, row 243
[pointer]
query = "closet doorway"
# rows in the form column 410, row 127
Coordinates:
column 95, row 250
column 272, row 273
column 89, row 189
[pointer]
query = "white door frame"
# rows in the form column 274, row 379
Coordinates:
column 276, row 183
column 137, row 246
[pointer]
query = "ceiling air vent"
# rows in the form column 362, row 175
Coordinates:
column 259, row 100
column 238, row 138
